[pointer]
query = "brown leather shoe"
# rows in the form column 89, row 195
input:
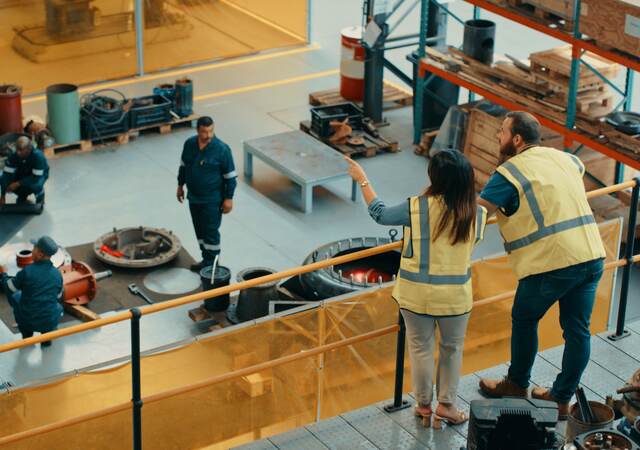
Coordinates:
column 501, row 388
column 542, row 393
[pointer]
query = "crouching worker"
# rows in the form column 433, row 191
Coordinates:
column 433, row 287
column 25, row 172
column 35, row 292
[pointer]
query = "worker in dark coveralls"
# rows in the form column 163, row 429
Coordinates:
column 207, row 168
column 35, row 292
column 25, row 172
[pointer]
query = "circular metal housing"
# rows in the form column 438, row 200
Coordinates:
column 137, row 247
column 349, row 277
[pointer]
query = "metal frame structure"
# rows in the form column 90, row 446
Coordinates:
column 579, row 46
column 375, row 61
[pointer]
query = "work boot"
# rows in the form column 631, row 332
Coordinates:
column 501, row 388
column 197, row 267
column 542, row 393
column 45, row 344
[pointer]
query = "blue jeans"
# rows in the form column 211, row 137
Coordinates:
column 574, row 288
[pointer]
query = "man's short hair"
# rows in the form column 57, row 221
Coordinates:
column 204, row 121
column 526, row 125
column 23, row 142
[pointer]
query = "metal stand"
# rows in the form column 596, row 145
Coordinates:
column 621, row 333
column 398, row 402
column 136, row 399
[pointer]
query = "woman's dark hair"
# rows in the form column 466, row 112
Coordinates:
column 452, row 178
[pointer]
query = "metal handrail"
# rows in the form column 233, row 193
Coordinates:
column 157, row 307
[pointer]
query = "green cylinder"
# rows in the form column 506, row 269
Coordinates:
column 63, row 110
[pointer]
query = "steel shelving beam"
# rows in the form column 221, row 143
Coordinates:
column 572, row 135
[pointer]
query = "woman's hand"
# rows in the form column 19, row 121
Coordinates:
column 356, row 171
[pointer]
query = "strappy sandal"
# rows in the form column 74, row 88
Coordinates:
column 460, row 418
column 425, row 413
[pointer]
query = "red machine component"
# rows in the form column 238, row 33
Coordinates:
column 24, row 258
column 10, row 109
column 367, row 275
column 80, row 284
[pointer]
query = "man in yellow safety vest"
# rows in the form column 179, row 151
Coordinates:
column 555, row 249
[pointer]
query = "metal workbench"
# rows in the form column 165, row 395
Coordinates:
column 303, row 159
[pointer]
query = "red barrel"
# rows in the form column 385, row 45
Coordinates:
column 352, row 64
column 10, row 109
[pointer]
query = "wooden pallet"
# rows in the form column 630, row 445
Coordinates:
column 371, row 147
column 543, row 13
column 554, row 67
column 393, row 97
column 86, row 145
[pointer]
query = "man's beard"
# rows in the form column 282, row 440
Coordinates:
column 507, row 152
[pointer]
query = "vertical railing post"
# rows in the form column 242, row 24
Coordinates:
column 138, row 14
column 626, row 271
column 398, row 402
column 136, row 398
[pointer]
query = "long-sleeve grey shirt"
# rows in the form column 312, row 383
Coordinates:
column 390, row 215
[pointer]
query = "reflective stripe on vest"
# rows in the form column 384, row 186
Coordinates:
column 423, row 275
column 543, row 231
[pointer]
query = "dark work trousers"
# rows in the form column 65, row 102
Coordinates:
column 24, row 325
column 24, row 192
column 574, row 288
column 206, row 219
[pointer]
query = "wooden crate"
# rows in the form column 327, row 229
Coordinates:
column 561, row 8
column 612, row 23
column 557, row 13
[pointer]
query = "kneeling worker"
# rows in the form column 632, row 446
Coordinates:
column 25, row 172
column 35, row 292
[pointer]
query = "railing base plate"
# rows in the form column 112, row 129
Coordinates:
column 392, row 408
column 615, row 337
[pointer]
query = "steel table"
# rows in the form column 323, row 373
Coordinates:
column 300, row 157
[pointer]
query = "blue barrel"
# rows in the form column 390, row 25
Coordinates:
column 63, row 110
column 184, row 97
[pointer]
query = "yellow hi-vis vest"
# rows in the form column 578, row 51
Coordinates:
column 553, row 227
column 435, row 276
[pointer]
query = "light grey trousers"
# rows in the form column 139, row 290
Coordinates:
column 421, row 336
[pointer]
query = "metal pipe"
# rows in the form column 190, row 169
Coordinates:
column 418, row 100
column 626, row 272
column 398, row 402
column 404, row 16
column 402, row 37
column 397, row 72
column 135, row 378
column 139, row 16
column 628, row 90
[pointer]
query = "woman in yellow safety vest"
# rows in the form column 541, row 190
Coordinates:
column 433, row 286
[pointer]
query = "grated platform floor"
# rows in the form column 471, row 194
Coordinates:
column 372, row 428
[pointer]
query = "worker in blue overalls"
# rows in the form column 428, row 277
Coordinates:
column 25, row 172
column 35, row 292
column 207, row 168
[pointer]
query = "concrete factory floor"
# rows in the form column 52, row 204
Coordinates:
column 611, row 365
column 134, row 184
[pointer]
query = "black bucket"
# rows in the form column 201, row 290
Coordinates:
column 223, row 275
column 479, row 40
column 253, row 302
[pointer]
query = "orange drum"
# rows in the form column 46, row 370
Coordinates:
column 352, row 57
